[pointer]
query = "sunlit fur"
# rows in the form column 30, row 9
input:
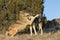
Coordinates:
column 24, row 21
column 40, row 23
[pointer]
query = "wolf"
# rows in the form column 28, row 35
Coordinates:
column 38, row 22
column 25, row 19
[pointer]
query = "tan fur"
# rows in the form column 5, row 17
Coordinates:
column 40, row 25
column 13, row 29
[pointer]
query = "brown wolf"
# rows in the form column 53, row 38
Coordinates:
column 24, row 21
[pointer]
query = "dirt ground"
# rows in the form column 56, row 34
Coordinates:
column 45, row 36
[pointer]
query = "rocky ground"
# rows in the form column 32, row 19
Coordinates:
column 45, row 36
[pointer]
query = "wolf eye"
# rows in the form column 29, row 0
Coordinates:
column 29, row 18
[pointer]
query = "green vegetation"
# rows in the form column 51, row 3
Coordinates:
column 9, row 10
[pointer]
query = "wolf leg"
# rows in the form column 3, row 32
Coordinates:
column 34, row 29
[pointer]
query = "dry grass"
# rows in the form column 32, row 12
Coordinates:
column 45, row 36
